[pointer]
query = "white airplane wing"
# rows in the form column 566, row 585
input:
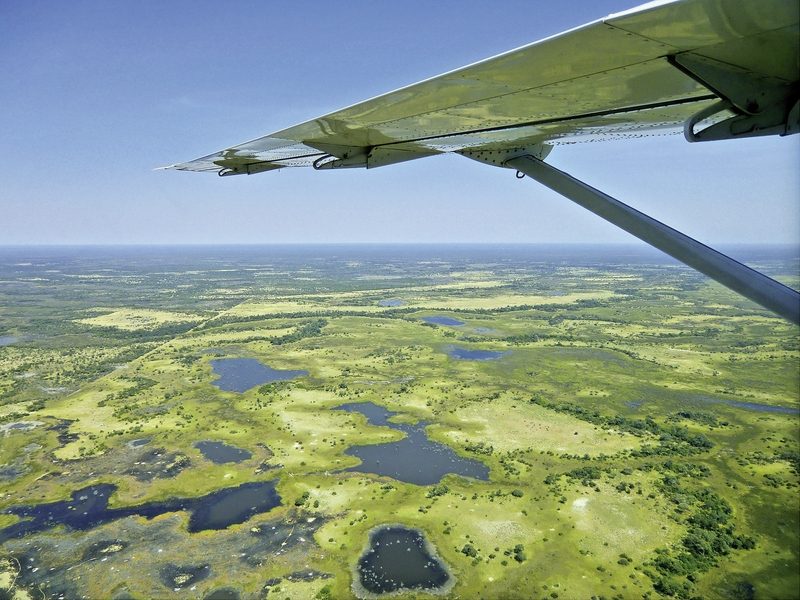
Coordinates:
column 666, row 65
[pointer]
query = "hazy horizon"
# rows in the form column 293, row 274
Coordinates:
column 609, row 244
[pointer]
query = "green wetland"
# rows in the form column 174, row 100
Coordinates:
column 394, row 421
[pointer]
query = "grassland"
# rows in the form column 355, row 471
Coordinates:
column 129, row 319
column 619, row 460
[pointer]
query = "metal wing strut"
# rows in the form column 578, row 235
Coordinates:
column 742, row 279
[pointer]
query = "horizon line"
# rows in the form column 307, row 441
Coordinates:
column 262, row 244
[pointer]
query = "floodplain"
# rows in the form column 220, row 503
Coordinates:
column 231, row 423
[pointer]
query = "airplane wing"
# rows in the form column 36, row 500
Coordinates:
column 727, row 66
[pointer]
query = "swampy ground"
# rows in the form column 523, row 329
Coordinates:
column 625, row 424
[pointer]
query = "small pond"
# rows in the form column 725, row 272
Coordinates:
column 88, row 508
column 390, row 302
column 242, row 374
column 484, row 330
column 177, row 577
column 460, row 353
column 399, row 558
column 220, row 453
column 7, row 340
column 414, row 459
column 223, row 593
column 767, row 408
column 448, row 321
column 19, row 426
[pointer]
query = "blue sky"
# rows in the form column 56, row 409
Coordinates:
column 96, row 94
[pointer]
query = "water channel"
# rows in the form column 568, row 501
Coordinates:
column 89, row 508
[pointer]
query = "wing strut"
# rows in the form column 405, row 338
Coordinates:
column 742, row 279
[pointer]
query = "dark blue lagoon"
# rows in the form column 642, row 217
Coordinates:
column 448, row 321
column 399, row 558
column 414, row 459
column 242, row 374
column 88, row 508
column 220, row 453
column 466, row 354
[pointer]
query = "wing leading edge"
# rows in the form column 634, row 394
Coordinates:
column 729, row 67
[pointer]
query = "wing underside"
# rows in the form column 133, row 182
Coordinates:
column 647, row 71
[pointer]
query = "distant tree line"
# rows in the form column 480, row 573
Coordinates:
column 310, row 329
column 229, row 319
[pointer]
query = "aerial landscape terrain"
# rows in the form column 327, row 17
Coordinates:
column 405, row 421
